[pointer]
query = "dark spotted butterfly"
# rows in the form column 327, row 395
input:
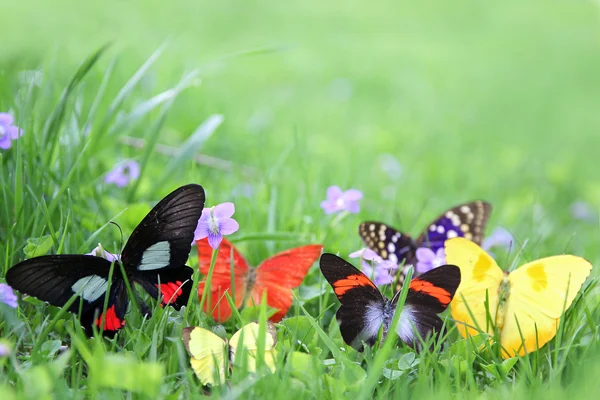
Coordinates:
column 154, row 257
column 466, row 220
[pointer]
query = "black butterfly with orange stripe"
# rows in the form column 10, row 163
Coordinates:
column 154, row 257
column 466, row 220
column 364, row 309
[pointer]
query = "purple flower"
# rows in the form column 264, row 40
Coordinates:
column 338, row 200
column 7, row 296
column 500, row 237
column 582, row 211
column 4, row 350
column 124, row 173
column 382, row 272
column 8, row 132
column 216, row 222
column 100, row 252
column 428, row 260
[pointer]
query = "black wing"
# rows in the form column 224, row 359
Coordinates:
column 428, row 295
column 466, row 220
column 56, row 278
column 363, row 308
column 163, row 239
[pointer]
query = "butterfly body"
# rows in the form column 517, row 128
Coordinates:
column 464, row 220
column 154, row 257
column 523, row 306
column 275, row 278
column 365, row 310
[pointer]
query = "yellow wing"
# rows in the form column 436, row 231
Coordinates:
column 208, row 355
column 540, row 292
column 247, row 337
column 480, row 276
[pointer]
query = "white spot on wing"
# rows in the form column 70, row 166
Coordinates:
column 373, row 320
column 451, row 234
column 391, row 247
column 156, row 256
column 440, row 229
column 405, row 329
column 91, row 287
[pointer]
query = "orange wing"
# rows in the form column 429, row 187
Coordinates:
column 228, row 255
column 278, row 275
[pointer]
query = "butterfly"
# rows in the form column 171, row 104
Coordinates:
column 364, row 309
column 525, row 305
column 210, row 354
column 465, row 220
column 154, row 257
column 276, row 276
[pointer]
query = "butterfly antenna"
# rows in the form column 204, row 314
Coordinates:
column 121, row 231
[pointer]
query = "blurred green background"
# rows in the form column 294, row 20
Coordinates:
column 472, row 98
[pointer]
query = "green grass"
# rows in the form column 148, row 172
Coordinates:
column 474, row 100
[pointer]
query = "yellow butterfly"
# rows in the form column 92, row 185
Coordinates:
column 210, row 355
column 524, row 305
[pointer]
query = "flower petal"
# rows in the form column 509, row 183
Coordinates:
column 425, row 254
column 353, row 195
column 329, row 207
column 205, row 217
column 133, row 170
column 214, row 240
column 5, row 142
column 423, row 267
column 440, row 254
column 352, row 206
column 357, row 253
column 369, row 254
column 14, row 132
column 228, row 226
column 334, row 193
column 201, row 230
column 224, row 210
column 6, row 119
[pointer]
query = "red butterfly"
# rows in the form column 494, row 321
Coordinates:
column 276, row 276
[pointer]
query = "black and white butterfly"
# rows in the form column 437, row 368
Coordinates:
column 466, row 220
column 154, row 257
column 365, row 310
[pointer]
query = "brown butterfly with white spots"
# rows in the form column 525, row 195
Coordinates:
column 466, row 220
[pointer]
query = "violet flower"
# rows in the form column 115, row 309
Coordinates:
column 4, row 350
column 99, row 251
column 338, row 200
column 8, row 131
column 7, row 296
column 583, row 211
column 123, row 174
column 428, row 260
column 500, row 237
column 216, row 222
column 382, row 272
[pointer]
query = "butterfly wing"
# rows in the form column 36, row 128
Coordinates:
column 173, row 286
column 363, row 307
column 56, row 278
column 248, row 338
column 163, row 239
column 208, row 352
column 428, row 295
column 540, row 292
column 466, row 220
column 387, row 242
column 480, row 280
column 278, row 275
column 229, row 262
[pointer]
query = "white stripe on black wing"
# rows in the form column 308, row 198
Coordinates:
column 164, row 237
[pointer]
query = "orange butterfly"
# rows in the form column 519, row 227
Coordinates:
column 276, row 276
